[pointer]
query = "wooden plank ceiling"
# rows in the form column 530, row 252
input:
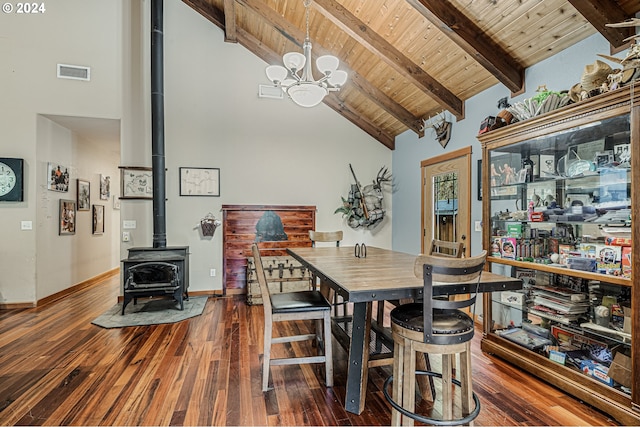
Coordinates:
column 409, row 60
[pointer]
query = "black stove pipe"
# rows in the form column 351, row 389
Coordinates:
column 157, row 126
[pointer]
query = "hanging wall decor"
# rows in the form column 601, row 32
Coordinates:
column 364, row 205
column 57, row 177
column 83, row 194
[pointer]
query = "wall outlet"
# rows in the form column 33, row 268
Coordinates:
column 26, row 225
column 212, row 272
column 126, row 236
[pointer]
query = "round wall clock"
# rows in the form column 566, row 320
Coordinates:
column 11, row 174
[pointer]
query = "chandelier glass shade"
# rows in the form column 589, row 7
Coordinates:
column 296, row 78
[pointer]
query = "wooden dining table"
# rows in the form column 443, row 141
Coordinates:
column 381, row 275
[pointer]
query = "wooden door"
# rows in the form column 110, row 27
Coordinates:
column 446, row 198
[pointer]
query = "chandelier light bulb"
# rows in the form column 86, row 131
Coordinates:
column 307, row 95
column 294, row 61
column 338, row 78
column 327, row 64
column 276, row 73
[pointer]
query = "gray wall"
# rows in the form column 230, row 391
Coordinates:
column 558, row 73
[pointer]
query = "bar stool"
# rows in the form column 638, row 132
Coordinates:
column 435, row 326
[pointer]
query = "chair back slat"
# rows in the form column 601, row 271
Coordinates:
column 449, row 271
column 325, row 236
column 446, row 249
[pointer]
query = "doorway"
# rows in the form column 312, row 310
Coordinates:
column 446, row 199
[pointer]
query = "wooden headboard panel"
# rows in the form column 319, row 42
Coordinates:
column 274, row 227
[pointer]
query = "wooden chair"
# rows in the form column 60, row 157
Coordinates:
column 438, row 248
column 446, row 249
column 327, row 237
column 435, row 326
column 290, row 306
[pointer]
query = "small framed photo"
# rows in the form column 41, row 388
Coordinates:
column 547, row 166
column 200, row 182
column 622, row 152
column 105, row 187
column 57, row 177
column 98, row 219
column 83, row 195
column 136, row 182
column 522, row 175
column 603, row 158
column 67, row 223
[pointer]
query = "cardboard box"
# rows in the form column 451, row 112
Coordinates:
column 495, row 247
column 508, row 247
column 514, row 230
column 627, row 320
column 597, row 371
column 626, row 261
column 620, row 370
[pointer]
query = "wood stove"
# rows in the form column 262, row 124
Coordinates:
column 149, row 272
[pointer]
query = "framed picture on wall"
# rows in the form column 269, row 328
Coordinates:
column 83, row 195
column 105, row 187
column 67, row 222
column 57, row 177
column 136, row 183
column 98, row 219
column 200, row 182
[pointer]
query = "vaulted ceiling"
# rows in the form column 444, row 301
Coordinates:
column 409, row 60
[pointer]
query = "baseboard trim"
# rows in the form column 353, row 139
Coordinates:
column 80, row 286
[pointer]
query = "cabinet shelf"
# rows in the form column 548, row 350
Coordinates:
column 616, row 280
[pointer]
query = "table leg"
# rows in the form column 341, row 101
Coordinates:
column 357, row 373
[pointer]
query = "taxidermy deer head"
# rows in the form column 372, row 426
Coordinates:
column 442, row 128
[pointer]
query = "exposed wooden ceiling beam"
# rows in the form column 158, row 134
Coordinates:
column 293, row 33
column 230, row 35
column 474, row 41
column 216, row 16
column 601, row 12
column 208, row 11
column 357, row 29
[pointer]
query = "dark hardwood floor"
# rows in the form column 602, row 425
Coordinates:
column 56, row 368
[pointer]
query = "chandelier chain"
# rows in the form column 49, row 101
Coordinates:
column 307, row 4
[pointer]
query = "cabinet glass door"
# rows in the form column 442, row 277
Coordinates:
column 560, row 207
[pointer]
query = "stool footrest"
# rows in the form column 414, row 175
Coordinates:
column 427, row 420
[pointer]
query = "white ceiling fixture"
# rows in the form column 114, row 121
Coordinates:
column 296, row 78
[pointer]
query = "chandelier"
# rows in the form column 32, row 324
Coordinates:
column 296, row 78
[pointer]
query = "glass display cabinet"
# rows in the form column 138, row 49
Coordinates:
column 559, row 211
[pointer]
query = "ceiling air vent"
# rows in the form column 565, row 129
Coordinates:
column 265, row 91
column 75, row 72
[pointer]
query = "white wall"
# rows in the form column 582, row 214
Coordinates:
column 268, row 151
column 558, row 73
column 70, row 259
column 77, row 32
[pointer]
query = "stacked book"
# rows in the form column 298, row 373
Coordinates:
column 558, row 304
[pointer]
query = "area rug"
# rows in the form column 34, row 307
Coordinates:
column 150, row 312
